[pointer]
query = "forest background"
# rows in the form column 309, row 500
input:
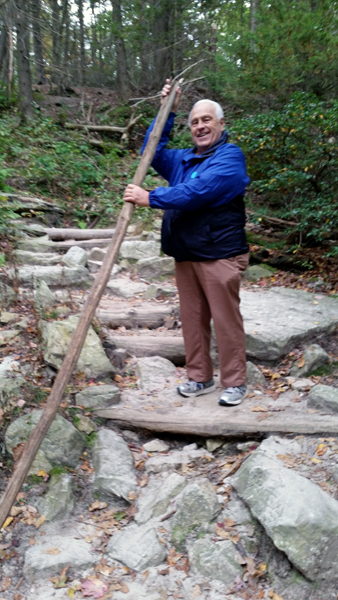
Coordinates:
column 273, row 65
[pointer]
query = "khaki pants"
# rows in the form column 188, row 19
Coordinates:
column 210, row 290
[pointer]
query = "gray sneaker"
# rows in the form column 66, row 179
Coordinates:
column 195, row 388
column 233, row 395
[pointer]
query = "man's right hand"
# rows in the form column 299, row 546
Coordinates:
column 165, row 92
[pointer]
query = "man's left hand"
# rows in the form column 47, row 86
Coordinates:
column 136, row 195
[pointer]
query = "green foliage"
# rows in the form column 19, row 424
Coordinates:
column 292, row 159
column 6, row 101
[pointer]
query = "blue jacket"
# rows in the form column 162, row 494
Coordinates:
column 204, row 209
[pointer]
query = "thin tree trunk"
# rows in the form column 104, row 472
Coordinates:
column 4, row 43
column 163, row 30
column 82, row 43
column 122, row 77
column 10, row 61
column 24, row 74
column 56, row 44
column 93, row 46
column 66, row 25
column 37, row 39
column 253, row 15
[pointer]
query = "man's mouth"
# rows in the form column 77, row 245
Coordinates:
column 200, row 135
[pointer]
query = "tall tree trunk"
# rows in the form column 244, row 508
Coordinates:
column 253, row 15
column 10, row 61
column 93, row 45
column 24, row 73
column 163, row 32
column 122, row 77
column 66, row 26
column 56, row 35
column 37, row 39
column 82, row 42
column 4, row 43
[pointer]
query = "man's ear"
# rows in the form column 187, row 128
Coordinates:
column 222, row 123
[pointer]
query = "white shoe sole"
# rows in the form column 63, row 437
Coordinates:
column 199, row 393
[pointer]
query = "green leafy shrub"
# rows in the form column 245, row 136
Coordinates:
column 292, row 160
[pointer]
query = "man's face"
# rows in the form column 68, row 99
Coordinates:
column 205, row 128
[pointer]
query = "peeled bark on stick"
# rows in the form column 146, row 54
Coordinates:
column 38, row 434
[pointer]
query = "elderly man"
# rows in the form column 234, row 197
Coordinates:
column 203, row 229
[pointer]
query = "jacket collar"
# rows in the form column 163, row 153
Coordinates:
column 220, row 142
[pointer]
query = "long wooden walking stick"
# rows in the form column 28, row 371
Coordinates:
column 74, row 350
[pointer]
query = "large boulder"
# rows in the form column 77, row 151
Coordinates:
column 57, row 336
column 137, row 249
column 197, row 507
column 255, row 272
column 253, row 375
column 137, row 547
column 299, row 517
column 53, row 275
column 59, row 501
column 44, row 259
column 153, row 373
column 114, row 466
column 126, row 288
column 314, row 357
column 176, row 459
column 216, row 560
column 75, row 257
column 98, row 396
column 44, row 297
column 54, row 553
column 62, row 445
column 10, row 378
column 157, row 496
column 323, row 398
column 155, row 267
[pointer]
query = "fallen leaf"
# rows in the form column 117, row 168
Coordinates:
column 31, row 541
column 118, row 378
column 40, row 521
column 93, row 587
column 86, row 467
column 17, row 597
column 196, row 591
column 7, row 522
column 97, row 505
column 143, row 482
column 52, row 551
column 162, row 541
column 250, row 563
column 60, row 582
column 229, row 522
column 222, row 533
column 71, row 592
column 321, row 449
column 15, row 511
column 17, row 451
column 258, row 409
column 42, row 473
column 316, row 461
column 300, row 362
column 5, row 583
column 275, row 376
column 132, row 496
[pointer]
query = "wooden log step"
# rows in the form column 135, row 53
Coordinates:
column 85, row 244
column 170, row 347
column 147, row 314
column 58, row 234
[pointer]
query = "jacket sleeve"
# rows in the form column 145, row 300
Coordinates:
column 164, row 159
column 220, row 182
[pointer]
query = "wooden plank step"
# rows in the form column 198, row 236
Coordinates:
column 202, row 416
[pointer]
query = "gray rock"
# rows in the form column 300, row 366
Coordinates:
column 138, row 249
column 57, row 336
column 315, row 357
column 213, row 444
column 72, row 552
column 324, row 398
column 42, row 244
column 278, row 319
column 8, row 317
column 176, row 459
column 154, row 268
column 156, row 446
column 215, row 560
column 125, row 288
column 197, row 506
column 53, row 275
column 75, row 257
column 299, row 517
column 7, row 295
column 62, row 445
column 153, row 373
column 44, row 297
column 301, row 384
column 86, row 425
column 114, row 465
column 98, row 396
column 137, row 547
column 6, row 335
column 253, row 375
column 25, row 257
column 10, row 378
column 94, row 266
column 155, row 291
column 237, row 511
column 132, row 436
column 59, row 500
column 157, row 496
column 255, row 272
column 97, row 254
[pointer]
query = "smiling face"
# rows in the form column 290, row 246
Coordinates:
column 205, row 128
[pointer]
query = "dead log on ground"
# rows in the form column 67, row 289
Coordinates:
column 143, row 315
column 79, row 234
column 169, row 347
